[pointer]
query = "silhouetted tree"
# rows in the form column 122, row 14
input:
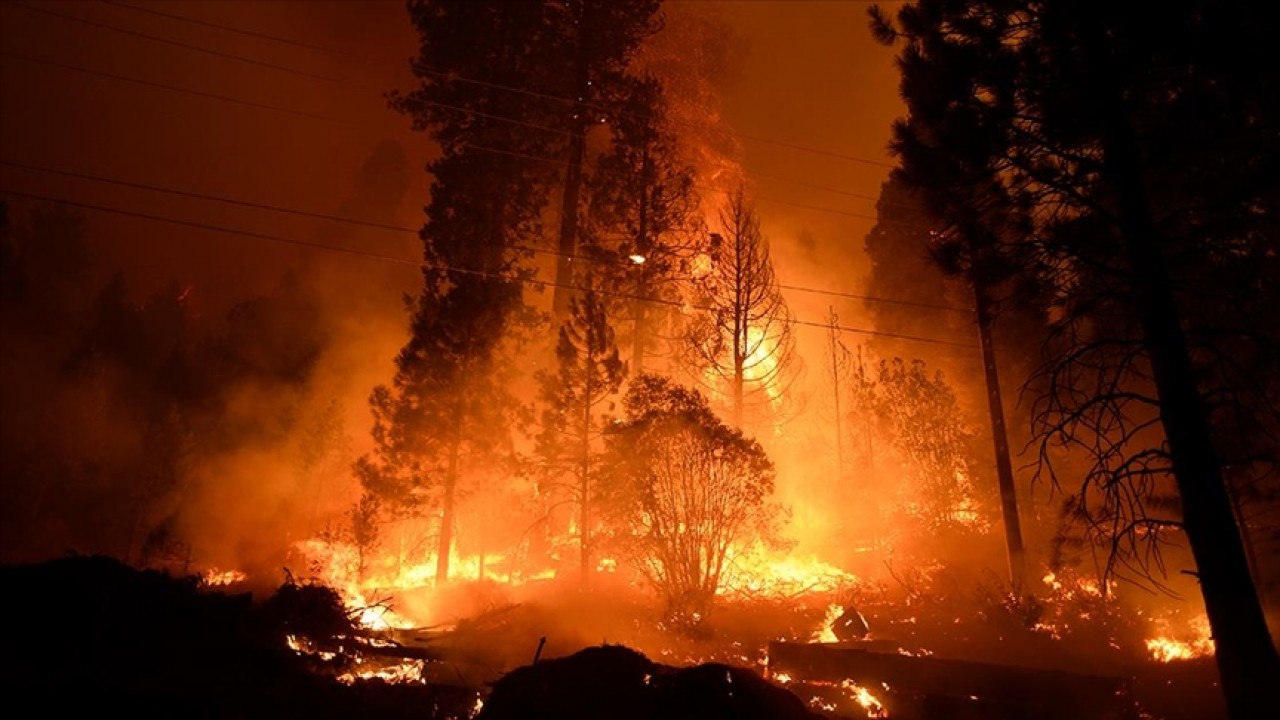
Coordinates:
column 575, row 54
column 644, row 209
column 741, row 334
column 693, row 489
column 1121, row 158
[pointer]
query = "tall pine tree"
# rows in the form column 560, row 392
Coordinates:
column 577, row 395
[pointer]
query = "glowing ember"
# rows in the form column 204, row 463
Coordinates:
column 213, row 577
column 782, row 678
column 862, row 696
column 409, row 671
column 1168, row 648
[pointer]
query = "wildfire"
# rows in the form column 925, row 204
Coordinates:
column 335, row 564
column 755, row 572
column 862, row 696
column 1168, row 648
column 830, row 694
column 826, row 632
column 761, row 363
column 409, row 671
column 213, row 577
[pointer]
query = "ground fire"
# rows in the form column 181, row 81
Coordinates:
column 641, row 359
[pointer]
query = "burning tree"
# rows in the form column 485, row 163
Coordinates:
column 576, row 54
column 898, row 410
column 928, row 430
column 741, row 336
column 447, row 416
column 691, row 488
column 587, row 377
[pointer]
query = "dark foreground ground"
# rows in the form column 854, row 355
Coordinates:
column 89, row 635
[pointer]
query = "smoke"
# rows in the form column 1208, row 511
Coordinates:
column 153, row 421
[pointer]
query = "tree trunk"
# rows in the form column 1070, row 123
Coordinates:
column 584, row 479
column 1247, row 659
column 741, row 338
column 643, row 248
column 1004, row 468
column 568, row 241
column 1246, row 536
column 446, row 517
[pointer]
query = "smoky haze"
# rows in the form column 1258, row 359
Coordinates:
column 272, row 335
column 302, row 125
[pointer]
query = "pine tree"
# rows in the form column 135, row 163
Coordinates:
column 1117, row 158
column 741, row 337
column 587, row 378
column 576, row 54
column 644, row 207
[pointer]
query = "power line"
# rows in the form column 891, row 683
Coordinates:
column 725, row 191
column 172, row 88
column 445, row 106
column 240, row 31
column 249, row 103
column 524, row 91
column 448, row 268
column 400, row 228
column 283, row 68
column 176, row 43
column 872, row 298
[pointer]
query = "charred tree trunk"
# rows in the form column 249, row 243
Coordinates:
column 643, row 248
column 834, row 349
column 1004, row 468
column 1246, row 536
column 568, row 241
column 741, row 339
column 1247, row 659
column 584, row 480
column 446, row 516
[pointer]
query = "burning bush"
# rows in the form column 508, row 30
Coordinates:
column 690, row 488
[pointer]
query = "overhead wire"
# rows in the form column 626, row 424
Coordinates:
column 329, row 118
column 401, row 228
column 197, row 48
column 524, row 91
column 449, row 268
column 446, row 106
column 171, row 88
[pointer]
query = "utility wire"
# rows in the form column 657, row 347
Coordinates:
column 328, row 118
column 448, row 268
column 175, row 43
column 405, row 229
column 458, row 78
column 172, row 88
column 445, row 106
column 725, row 191
column 242, row 31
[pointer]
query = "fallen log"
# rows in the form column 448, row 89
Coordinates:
column 934, row 682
